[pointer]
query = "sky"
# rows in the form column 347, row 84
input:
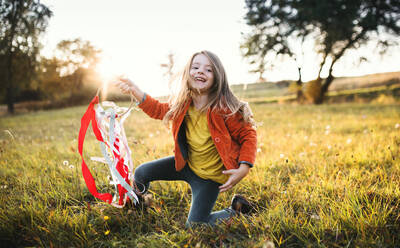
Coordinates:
column 136, row 36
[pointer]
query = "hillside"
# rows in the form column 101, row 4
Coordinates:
column 371, row 80
column 275, row 90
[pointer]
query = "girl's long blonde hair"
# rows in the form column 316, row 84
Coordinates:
column 220, row 95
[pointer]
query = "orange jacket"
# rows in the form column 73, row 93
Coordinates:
column 236, row 141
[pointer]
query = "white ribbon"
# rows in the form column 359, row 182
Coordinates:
column 106, row 119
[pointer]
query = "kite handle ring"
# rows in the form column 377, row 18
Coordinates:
column 130, row 105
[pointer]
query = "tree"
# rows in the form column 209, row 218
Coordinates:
column 63, row 75
column 169, row 69
column 336, row 26
column 76, row 58
column 49, row 79
column 260, row 69
column 169, row 66
column 22, row 21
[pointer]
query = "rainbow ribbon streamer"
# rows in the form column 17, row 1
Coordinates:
column 107, row 125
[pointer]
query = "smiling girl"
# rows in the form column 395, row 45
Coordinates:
column 214, row 135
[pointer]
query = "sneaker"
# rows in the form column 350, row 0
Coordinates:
column 145, row 201
column 241, row 205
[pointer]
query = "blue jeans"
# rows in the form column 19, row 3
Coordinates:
column 204, row 192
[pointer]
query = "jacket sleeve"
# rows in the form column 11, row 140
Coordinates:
column 154, row 108
column 245, row 135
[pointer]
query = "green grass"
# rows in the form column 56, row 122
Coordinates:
column 325, row 176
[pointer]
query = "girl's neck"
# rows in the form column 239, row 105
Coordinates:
column 199, row 101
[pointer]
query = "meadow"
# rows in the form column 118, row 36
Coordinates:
column 325, row 176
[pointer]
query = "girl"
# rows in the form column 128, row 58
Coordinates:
column 215, row 139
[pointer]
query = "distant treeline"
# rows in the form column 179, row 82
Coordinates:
column 65, row 79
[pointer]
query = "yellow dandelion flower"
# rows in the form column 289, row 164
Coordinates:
column 107, row 232
column 106, row 217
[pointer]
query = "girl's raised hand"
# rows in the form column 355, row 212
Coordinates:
column 235, row 176
column 125, row 85
column 129, row 87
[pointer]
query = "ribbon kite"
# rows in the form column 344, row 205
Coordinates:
column 107, row 126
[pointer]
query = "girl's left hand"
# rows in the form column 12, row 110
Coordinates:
column 235, row 176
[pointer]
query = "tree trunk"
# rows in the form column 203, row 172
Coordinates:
column 299, row 94
column 336, row 57
column 10, row 90
column 299, row 91
column 324, row 88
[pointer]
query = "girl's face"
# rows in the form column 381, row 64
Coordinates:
column 201, row 74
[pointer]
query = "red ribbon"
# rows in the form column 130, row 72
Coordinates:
column 90, row 116
column 122, row 169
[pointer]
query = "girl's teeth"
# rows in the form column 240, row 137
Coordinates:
column 200, row 79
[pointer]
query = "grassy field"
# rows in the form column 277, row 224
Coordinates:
column 325, row 176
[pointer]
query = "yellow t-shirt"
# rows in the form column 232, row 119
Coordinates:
column 204, row 159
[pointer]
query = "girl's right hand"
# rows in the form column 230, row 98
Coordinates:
column 129, row 87
column 125, row 85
